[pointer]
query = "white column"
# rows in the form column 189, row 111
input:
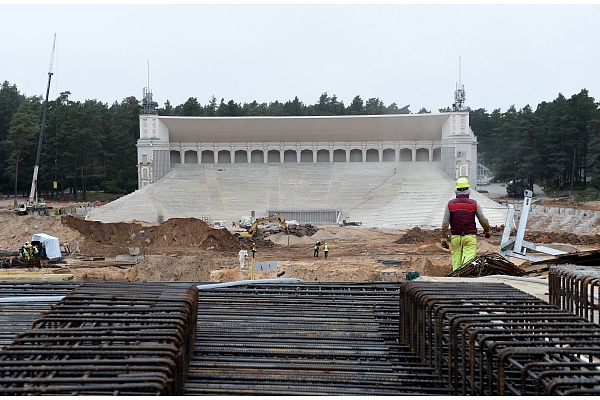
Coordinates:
column 232, row 153
column 431, row 151
column 314, row 152
column 347, row 151
column 414, row 151
column 248, row 153
column 297, row 152
column 265, row 153
column 397, row 151
column 216, row 153
column 331, row 152
column 364, row 151
column 380, row 151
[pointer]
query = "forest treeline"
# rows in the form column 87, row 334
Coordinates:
column 90, row 145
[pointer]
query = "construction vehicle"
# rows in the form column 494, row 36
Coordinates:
column 32, row 202
column 253, row 230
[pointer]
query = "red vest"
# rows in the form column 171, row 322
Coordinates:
column 462, row 215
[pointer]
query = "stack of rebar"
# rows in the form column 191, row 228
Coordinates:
column 106, row 338
column 485, row 265
column 16, row 315
column 301, row 338
column 492, row 339
column 305, row 339
column 576, row 288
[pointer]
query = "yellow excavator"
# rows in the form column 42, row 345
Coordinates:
column 253, row 230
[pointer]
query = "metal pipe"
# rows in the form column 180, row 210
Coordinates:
column 518, row 278
column 248, row 282
column 26, row 299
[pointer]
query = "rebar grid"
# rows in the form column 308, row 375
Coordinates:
column 305, row 339
column 106, row 338
column 16, row 317
column 372, row 338
column 576, row 288
column 465, row 329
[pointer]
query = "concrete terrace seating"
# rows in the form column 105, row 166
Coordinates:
column 552, row 219
column 372, row 193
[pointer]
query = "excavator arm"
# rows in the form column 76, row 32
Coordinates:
column 253, row 230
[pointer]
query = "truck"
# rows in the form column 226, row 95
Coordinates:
column 38, row 204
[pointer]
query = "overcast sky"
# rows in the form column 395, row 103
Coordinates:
column 407, row 54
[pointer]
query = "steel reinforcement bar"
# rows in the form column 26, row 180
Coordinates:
column 17, row 316
column 468, row 333
column 576, row 289
column 305, row 339
column 106, row 338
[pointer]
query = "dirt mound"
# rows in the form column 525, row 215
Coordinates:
column 302, row 230
column 418, row 235
column 571, row 203
column 183, row 232
column 111, row 239
column 562, row 237
column 323, row 235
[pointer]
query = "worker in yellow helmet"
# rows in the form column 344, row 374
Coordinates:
column 460, row 216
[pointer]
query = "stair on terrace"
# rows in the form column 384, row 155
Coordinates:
column 372, row 193
column 554, row 219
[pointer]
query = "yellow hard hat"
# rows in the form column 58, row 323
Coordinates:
column 462, row 183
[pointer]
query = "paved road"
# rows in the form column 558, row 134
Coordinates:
column 497, row 191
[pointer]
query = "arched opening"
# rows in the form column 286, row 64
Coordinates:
column 306, row 156
column 241, row 156
column 422, row 154
column 208, row 157
column 356, row 155
column 322, row 155
column 224, row 156
column 406, row 155
column 372, row 155
column 437, row 154
column 339, row 155
column 257, row 157
column 273, row 156
column 289, row 156
column 190, row 157
column 175, row 157
column 389, row 155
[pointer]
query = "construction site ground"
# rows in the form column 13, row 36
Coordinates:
column 191, row 250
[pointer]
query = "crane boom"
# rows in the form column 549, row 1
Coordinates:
column 33, row 193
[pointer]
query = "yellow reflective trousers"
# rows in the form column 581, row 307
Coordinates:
column 464, row 249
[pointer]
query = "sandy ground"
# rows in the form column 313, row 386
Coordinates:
column 190, row 250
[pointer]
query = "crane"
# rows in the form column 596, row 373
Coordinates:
column 32, row 201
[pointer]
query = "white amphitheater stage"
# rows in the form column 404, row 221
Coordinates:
column 413, row 195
